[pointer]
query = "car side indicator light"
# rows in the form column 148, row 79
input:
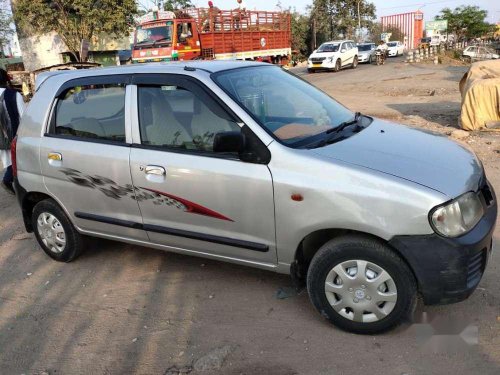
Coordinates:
column 297, row 197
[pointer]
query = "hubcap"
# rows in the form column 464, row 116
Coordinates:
column 361, row 291
column 51, row 232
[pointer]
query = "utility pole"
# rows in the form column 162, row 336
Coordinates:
column 359, row 21
column 315, row 44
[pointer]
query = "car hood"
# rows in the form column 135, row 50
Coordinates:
column 322, row 54
column 430, row 160
column 364, row 53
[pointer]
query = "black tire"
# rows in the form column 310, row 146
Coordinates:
column 355, row 62
column 370, row 60
column 74, row 240
column 338, row 66
column 360, row 247
column 310, row 70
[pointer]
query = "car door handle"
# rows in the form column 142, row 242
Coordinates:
column 55, row 159
column 155, row 170
column 55, row 156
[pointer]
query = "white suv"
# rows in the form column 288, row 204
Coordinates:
column 334, row 56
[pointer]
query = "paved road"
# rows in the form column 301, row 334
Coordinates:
column 122, row 309
column 365, row 67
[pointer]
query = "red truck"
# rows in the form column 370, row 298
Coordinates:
column 213, row 34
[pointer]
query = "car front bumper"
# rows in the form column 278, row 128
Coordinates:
column 321, row 65
column 363, row 58
column 448, row 270
column 392, row 53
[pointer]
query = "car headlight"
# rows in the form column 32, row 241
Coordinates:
column 330, row 59
column 458, row 216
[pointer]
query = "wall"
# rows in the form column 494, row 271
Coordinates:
column 42, row 50
column 46, row 50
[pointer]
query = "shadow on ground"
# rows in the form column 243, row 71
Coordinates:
column 444, row 113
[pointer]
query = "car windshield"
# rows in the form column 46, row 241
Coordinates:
column 145, row 35
column 289, row 108
column 364, row 47
column 328, row 47
column 392, row 44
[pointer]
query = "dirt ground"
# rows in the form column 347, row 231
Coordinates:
column 122, row 309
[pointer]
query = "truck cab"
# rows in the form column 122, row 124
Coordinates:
column 160, row 36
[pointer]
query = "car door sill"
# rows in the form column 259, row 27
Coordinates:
column 176, row 232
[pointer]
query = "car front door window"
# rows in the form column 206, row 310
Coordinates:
column 173, row 117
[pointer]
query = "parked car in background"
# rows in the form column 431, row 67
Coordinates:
column 474, row 53
column 334, row 56
column 366, row 52
column 395, row 49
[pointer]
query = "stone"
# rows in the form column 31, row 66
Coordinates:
column 459, row 134
column 213, row 360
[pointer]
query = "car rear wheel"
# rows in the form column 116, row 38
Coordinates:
column 360, row 285
column 55, row 233
column 338, row 65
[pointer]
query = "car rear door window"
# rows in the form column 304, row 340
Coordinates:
column 91, row 112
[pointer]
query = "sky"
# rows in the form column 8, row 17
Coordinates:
column 430, row 8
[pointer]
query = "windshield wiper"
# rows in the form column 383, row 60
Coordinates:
column 345, row 124
column 161, row 40
column 144, row 42
column 334, row 137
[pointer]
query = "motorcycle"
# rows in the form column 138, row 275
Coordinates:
column 380, row 57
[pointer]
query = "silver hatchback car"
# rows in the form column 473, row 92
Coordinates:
column 245, row 163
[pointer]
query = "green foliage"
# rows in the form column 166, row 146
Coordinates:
column 336, row 18
column 301, row 33
column 75, row 20
column 396, row 32
column 466, row 21
column 177, row 4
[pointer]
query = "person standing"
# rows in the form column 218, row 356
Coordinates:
column 241, row 10
column 11, row 110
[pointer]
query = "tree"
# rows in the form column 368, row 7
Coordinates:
column 301, row 33
column 177, row 4
column 396, row 32
column 75, row 20
column 335, row 18
column 5, row 24
column 466, row 21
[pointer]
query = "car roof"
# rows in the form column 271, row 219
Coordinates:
column 162, row 67
column 338, row 41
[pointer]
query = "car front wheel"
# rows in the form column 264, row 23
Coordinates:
column 355, row 62
column 338, row 66
column 361, row 285
column 55, row 233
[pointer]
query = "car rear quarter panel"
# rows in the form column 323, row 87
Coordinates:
column 337, row 195
column 29, row 138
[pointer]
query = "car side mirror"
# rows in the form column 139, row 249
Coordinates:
column 229, row 142
column 342, row 50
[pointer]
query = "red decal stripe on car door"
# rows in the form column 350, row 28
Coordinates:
column 192, row 207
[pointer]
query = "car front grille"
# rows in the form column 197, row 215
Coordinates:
column 475, row 267
column 318, row 59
